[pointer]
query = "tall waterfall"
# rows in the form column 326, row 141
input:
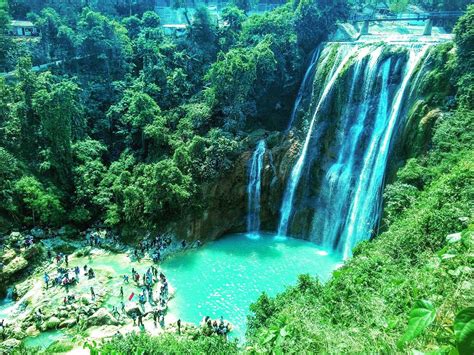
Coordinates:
column 254, row 187
column 295, row 176
column 304, row 85
column 352, row 121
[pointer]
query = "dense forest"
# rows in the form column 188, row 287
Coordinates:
column 129, row 123
column 132, row 121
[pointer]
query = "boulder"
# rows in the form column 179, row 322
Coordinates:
column 17, row 264
column 32, row 331
column 22, row 288
column 68, row 323
column 15, row 236
column 32, row 251
column 102, row 317
column 18, row 333
column 8, row 255
column 52, row 323
column 9, row 345
column 132, row 307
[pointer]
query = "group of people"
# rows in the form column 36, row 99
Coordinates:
column 146, row 283
column 66, row 276
column 213, row 327
column 153, row 247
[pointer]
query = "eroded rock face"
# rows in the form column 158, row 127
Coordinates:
column 225, row 200
column 7, row 256
column 16, row 265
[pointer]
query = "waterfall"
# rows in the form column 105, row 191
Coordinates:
column 253, row 188
column 363, row 210
column 9, row 295
column 345, row 163
column 304, row 84
column 295, row 175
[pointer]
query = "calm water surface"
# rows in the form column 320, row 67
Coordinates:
column 224, row 277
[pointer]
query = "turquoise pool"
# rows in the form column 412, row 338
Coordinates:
column 224, row 277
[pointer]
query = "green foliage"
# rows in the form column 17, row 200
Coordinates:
column 314, row 20
column 56, row 105
column 464, row 39
column 5, row 41
column 244, row 5
column 105, row 44
column 464, row 330
column 9, row 170
column 42, row 205
column 421, row 316
column 166, row 343
column 235, row 79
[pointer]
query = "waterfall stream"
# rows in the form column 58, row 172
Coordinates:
column 254, row 188
column 347, row 145
column 295, row 175
column 304, row 85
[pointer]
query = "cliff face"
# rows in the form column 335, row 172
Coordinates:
column 225, row 200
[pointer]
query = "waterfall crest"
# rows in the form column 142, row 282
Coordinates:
column 254, row 188
column 354, row 117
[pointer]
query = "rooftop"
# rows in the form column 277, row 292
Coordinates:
column 20, row 23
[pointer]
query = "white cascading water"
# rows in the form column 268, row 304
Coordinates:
column 366, row 201
column 304, row 85
column 349, row 176
column 254, row 188
column 287, row 205
column 336, row 183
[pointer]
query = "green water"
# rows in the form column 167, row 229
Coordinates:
column 224, row 277
column 44, row 339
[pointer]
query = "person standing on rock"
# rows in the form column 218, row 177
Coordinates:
column 46, row 280
column 140, row 320
column 155, row 316
column 121, row 292
column 66, row 260
column 179, row 326
column 92, row 293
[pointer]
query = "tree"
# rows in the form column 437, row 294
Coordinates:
column 57, row 106
column 235, row 80
column 88, row 172
column 133, row 25
column 57, row 40
column 8, row 173
column 43, row 204
column 464, row 39
column 314, row 20
column 244, row 5
column 135, row 111
column 105, row 44
column 5, row 42
column 182, row 4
